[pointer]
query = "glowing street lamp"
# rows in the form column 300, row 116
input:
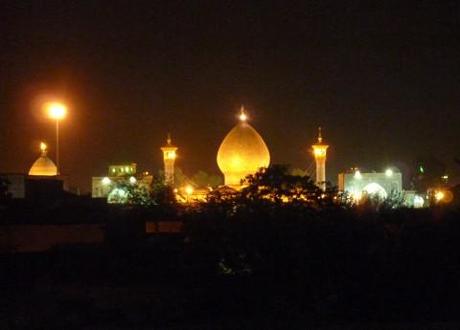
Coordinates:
column 56, row 111
column 389, row 172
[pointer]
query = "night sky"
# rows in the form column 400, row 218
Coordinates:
column 381, row 77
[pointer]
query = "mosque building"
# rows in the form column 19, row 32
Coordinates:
column 42, row 181
column 241, row 153
column 380, row 184
column 110, row 186
column 43, row 166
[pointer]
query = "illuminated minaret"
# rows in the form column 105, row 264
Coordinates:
column 319, row 151
column 169, row 156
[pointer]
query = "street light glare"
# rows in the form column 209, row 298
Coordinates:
column 56, row 110
column 389, row 172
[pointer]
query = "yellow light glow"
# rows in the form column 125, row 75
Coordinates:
column 243, row 117
column 170, row 155
column 189, row 190
column 237, row 163
column 43, row 146
column 389, row 172
column 356, row 196
column 106, row 181
column 319, row 152
column 358, row 175
column 56, row 110
column 132, row 180
column 439, row 195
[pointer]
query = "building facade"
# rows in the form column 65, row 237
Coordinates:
column 379, row 184
column 118, row 176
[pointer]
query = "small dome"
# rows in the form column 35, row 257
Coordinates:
column 241, row 153
column 43, row 166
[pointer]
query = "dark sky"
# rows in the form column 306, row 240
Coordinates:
column 381, row 77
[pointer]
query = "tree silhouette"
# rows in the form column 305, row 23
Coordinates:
column 162, row 194
column 275, row 184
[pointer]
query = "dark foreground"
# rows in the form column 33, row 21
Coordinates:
column 262, row 267
column 330, row 275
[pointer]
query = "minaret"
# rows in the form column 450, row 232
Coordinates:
column 319, row 151
column 169, row 156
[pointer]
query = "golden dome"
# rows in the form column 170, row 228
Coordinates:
column 43, row 166
column 242, row 152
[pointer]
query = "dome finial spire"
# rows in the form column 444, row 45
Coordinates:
column 243, row 117
column 168, row 139
column 320, row 136
column 43, row 166
column 43, row 148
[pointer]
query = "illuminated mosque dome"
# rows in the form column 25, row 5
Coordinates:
column 43, row 166
column 242, row 152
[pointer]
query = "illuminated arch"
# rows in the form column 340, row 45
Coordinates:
column 374, row 189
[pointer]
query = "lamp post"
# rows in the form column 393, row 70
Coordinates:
column 57, row 111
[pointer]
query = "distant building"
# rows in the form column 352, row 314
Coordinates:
column 119, row 175
column 42, row 183
column 381, row 184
